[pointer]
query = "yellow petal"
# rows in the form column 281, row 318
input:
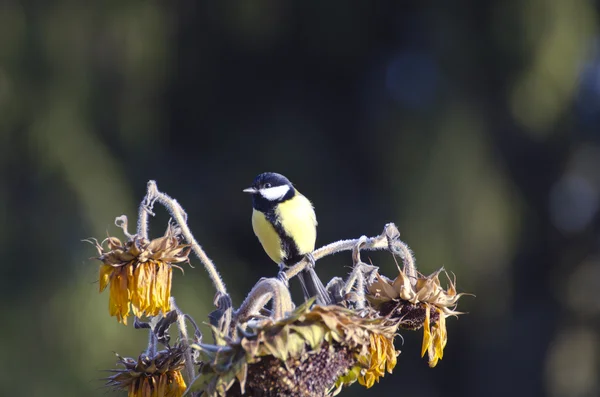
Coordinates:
column 161, row 389
column 162, row 286
column 157, row 291
column 167, row 306
column 391, row 357
column 132, row 390
column 113, row 299
column 105, row 272
column 426, row 333
column 146, row 389
column 138, row 299
column 178, row 386
column 145, row 286
column 368, row 380
column 120, row 296
column 150, row 295
column 129, row 268
column 440, row 337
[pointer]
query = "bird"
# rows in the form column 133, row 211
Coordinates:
column 285, row 223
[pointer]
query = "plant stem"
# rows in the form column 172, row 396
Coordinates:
column 389, row 239
column 189, row 360
column 180, row 217
column 265, row 290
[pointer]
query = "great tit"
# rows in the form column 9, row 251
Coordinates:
column 286, row 225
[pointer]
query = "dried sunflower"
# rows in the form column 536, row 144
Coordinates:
column 157, row 376
column 139, row 273
column 311, row 352
column 418, row 303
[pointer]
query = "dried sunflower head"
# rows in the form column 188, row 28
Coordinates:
column 159, row 375
column 305, row 354
column 139, row 273
column 417, row 303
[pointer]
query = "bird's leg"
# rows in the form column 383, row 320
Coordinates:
column 282, row 276
column 311, row 284
column 311, row 261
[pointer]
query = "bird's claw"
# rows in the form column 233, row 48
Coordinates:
column 311, row 261
column 283, row 277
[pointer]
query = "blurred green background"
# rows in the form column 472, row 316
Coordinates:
column 473, row 125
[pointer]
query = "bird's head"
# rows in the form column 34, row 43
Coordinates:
column 272, row 187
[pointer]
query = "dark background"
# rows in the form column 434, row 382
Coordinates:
column 473, row 125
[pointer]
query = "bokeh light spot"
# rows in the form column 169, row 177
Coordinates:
column 573, row 203
column 572, row 368
column 411, row 79
column 583, row 286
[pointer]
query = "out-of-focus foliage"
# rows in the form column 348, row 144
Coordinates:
column 474, row 126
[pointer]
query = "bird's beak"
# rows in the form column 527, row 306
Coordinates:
column 250, row 190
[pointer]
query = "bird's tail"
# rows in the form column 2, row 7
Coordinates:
column 312, row 286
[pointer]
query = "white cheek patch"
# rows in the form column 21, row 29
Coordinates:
column 274, row 193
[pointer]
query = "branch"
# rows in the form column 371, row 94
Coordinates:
column 389, row 239
column 265, row 290
column 189, row 360
column 180, row 217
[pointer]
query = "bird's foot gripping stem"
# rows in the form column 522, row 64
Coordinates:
column 311, row 284
column 311, row 260
column 282, row 276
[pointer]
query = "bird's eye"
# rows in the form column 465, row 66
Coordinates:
column 267, row 185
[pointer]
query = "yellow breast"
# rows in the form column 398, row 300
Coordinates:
column 298, row 221
column 267, row 236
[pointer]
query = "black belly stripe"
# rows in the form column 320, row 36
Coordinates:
column 292, row 254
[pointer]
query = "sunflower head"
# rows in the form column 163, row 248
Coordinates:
column 139, row 273
column 307, row 353
column 416, row 303
column 159, row 375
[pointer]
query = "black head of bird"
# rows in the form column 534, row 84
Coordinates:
column 268, row 189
